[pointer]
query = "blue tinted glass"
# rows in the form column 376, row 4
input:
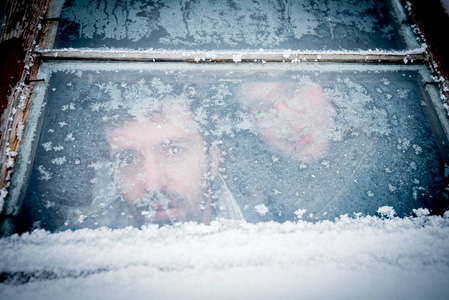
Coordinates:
column 230, row 25
column 172, row 143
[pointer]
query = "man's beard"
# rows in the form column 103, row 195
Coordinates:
column 162, row 207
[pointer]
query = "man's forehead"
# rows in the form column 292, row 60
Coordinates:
column 170, row 123
column 171, row 110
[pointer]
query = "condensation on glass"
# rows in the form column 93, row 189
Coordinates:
column 233, row 25
column 130, row 144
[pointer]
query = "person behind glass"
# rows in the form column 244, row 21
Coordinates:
column 165, row 165
column 295, row 119
column 165, row 172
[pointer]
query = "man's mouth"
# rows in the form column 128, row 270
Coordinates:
column 163, row 206
column 303, row 140
column 161, row 212
column 166, row 215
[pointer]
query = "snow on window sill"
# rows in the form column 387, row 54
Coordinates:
column 378, row 257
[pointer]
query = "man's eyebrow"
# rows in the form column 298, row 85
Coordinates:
column 177, row 140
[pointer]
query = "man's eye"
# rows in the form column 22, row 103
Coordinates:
column 125, row 158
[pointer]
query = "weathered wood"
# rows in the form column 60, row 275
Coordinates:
column 18, row 39
column 433, row 22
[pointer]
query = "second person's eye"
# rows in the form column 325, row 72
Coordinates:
column 173, row 150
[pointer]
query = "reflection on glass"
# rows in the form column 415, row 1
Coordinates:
column 167, row 146
column 230, row 25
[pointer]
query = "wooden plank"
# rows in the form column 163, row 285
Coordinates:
column 199, row 56
column 19, row 35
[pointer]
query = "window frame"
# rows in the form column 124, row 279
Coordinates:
column 418, row 56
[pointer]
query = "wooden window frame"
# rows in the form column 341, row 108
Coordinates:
column 41, row 40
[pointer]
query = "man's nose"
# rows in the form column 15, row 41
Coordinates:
column 288, row 107
column 155, row 175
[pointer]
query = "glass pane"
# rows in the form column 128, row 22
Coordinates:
column 230, row 25
column 170, row 142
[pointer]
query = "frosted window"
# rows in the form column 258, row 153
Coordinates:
column 199, row 143
column 230, row 25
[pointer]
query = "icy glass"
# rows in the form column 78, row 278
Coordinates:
column 175, row 143
column 230, row 25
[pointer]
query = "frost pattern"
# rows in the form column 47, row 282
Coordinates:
column 47, row 146
column 59, row 160
column 45, row 174
column 386, row 211
column 374, row 152
column 261, row 209
column 352, row 98
column 300, row 212
column 223, row 23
